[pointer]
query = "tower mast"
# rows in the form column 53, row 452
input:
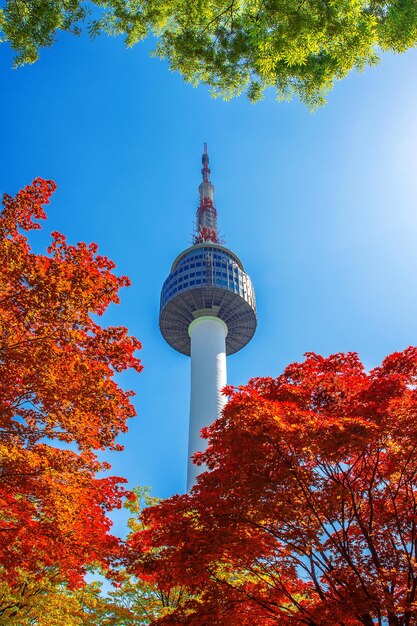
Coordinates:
column 208, row 311
column 206, row 227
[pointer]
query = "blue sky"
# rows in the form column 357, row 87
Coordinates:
column 320, row 207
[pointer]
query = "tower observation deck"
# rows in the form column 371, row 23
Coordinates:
column 207, row 311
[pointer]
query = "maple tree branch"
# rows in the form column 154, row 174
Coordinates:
column 331, row 536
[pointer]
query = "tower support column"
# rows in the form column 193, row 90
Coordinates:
column 208, row 377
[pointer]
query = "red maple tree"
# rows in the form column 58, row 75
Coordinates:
column 59, row 402
column 308, row 512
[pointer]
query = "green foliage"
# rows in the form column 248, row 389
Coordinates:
column 297, row 46
column 141, row 500
column 138, row 602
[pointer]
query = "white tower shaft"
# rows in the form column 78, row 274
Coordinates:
column 208, row 377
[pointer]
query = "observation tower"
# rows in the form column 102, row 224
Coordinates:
column 208, row 312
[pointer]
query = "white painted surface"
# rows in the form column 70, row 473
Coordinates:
column 208, row 377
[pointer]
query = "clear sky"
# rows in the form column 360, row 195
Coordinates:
column 321, row 208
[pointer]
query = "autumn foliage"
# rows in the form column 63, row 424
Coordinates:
column 59, row 402
column 307, row 515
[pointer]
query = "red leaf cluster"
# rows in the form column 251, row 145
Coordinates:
column 308, row 513
column 59, row 402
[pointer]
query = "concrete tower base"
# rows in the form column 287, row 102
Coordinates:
column 208, row 377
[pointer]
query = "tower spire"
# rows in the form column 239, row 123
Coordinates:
column 206, row 226
column 206, row 170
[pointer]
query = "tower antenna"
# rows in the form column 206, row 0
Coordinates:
column 206, row 222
